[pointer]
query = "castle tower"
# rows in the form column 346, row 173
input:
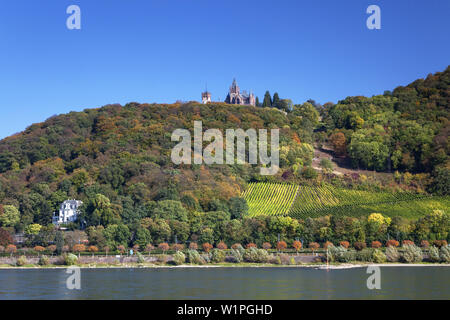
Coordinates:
column 206, row 97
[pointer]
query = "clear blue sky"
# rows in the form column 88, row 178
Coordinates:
column 164, row 50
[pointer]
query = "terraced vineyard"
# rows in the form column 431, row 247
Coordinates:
column 306, row 201
column 270, row 198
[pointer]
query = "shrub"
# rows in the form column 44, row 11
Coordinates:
column 163, row 247
column 344, row 244
column 10, row 248
column 365, row 255
column 251, row 245
column 440, row 243
column 162, row 258
column 392, row 243
column 207, row 247
column 274, row 259
column 376, row 244
column 140, row 257
column 328, row 244
column 179, row 258
column 193, row 246
column 411, row 253
column 359, row 245
column 444, row 253
column 193, row 257
column 285, row 259
column 392, row 254
column 236, row 245
column 378, row 256
column 222, row 246
column 266, row 245
column 21, row 261
column 281, row 245
column 217, row 255
column 407, row 243
column 255, row 255
column 236, row 255
column 434, row 254
column 70, row 259
column 44, row 261
column 424, row 244
column 313, row 246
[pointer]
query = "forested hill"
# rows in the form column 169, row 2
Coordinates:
column 123, row 152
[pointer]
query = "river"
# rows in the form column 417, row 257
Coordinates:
column 408, row 282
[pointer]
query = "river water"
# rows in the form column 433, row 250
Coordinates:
column 227, row 283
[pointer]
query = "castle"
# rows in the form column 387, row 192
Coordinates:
column 234, row 96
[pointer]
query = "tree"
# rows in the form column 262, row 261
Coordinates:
column 267, row 102
column 79, row 248
column 5, row 238
column 33, row 229
column 276, row 101
column 9, row 216
column 59, row 240
column 221, row 246
column 93, row 249
column 281, row 245
column 338, row 142
column 238, row 207
column 297, row 245
column 266, row 246
column 170, row 210
column 207, row 246
column 163, row 247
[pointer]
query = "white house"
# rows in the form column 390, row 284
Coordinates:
column 68, row 212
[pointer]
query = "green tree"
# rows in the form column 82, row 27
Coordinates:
column 10, row 216
column 267, row 102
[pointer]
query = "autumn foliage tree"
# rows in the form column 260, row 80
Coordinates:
column 193, row 246
column 163, row 247
column 344, row 244
column 251, row 245
column 376, row 244
column 281, row 245
column 338, row 142
column 392, row 243
column 222, row 246
column 266, row 245
column 5, row 237
column 313, row 246
column 207, row 247
column 297, row 245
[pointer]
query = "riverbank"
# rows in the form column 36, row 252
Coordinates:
column 229, row 265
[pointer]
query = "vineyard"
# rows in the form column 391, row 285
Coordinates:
column 270, row 198
column 306, row 201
